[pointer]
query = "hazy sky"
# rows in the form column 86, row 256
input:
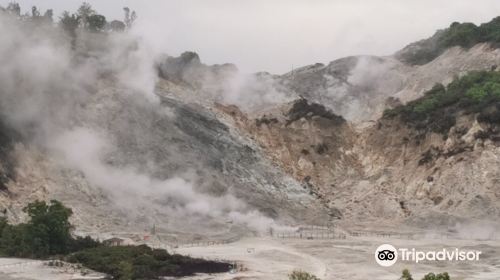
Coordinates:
column 276, row 35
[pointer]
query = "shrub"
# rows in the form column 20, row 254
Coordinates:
column 464, row 35
column 432, row 276
column 301, row 275
column 406, row 275
column 142, row 262
column 476, row 92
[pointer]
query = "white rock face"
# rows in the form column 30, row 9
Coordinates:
column 358, row 87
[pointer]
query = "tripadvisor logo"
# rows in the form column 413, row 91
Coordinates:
column 388, row 255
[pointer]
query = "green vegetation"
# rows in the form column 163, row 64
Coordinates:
column 47, row 234
column 96, row 23
column 431, row 276
column 465, row 35
column 301, row 275
column 142, row 262
column 14, row 9
column 69, row 23
column 440, row 276
column 406, row 275
column 476, row 92
column 85, row 18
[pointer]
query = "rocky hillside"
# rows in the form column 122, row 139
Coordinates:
column 304, row 138
column 85, row 123
column 432, row 162
column 357, row 88
column 205, row 151
column 168, row 163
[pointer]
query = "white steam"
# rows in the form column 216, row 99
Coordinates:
column 254, row 92
column 46, row 87
column 82, row 149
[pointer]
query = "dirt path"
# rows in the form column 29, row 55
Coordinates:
column 262, row 258
column 350, row 259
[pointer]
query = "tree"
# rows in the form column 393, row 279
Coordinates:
column 129, row 17
column 69, row 23
column 117, row 26
column 89, row 19
column 406, row 275
column 13, row 242
column 35, row 13
column 3, row 225
column 133, row 17
column 96, row 23
column 13, row 8
column 465, row 35
column 49, row 15
column 84, row 12
column 47, row 233
column 440, row 276
column 49, row 227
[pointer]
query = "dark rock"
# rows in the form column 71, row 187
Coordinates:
column 302, row 109
column 265, row 120
column 321, row 148
column 335, row 213
column 189, row 70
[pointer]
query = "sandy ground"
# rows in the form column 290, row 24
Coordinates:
column 25, row 269
column 350, row 259
column 273, row 258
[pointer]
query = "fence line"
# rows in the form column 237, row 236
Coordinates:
column 319, row 234
column 309, row 235
column 413, row 236
column 203, row 243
